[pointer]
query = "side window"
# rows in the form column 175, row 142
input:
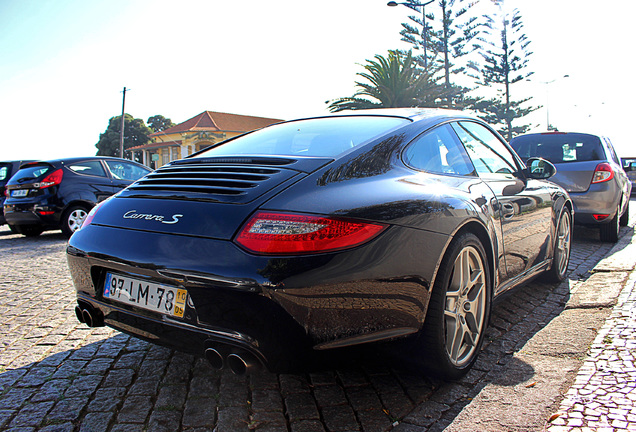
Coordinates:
column 126, row 171
column 93, row 168
column 490, row 156
column 438, row 151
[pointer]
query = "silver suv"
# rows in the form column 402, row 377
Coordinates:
column 590, row 171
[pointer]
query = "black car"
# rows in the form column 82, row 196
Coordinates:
column 323, row 233
column 7, row 169
column 58, row 194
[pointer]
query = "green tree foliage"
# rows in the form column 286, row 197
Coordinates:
column 159, row 123
column 135, row 133
column 393, row 81
column 446, row 41
column 505, row 62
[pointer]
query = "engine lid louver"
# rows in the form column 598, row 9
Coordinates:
column 226, row 183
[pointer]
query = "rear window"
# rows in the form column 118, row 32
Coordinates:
column 30, row 173
column 323, row 137
column 559, row 148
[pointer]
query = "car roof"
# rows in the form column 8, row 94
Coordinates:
column 414, row 114
column 79, row 158
column 556, row 133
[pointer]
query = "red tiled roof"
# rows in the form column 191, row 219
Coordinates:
column 221, row 122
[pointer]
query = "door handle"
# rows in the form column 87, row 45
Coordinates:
column 507, row 210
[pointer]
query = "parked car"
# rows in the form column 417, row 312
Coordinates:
column 629, row 166
column 58, row 194
column 323, row 233
column 7, row 169
column 590, row 171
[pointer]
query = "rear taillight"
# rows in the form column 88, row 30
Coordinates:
column 55, row 178
column 91, row 214
column 273, row 233
column 600, row 217
column 603, row 173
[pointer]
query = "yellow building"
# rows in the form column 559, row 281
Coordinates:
column 194, row 134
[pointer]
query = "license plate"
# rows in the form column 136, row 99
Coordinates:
column 19, row 192
column 152, row 296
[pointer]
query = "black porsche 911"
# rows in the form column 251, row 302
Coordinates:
column 323, row 233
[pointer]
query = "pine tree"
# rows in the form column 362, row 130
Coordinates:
column 505, row 62
column 447, row 42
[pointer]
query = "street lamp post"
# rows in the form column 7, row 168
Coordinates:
column 547, row 98
column 424, row 26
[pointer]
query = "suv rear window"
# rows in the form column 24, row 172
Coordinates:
column 560, row 147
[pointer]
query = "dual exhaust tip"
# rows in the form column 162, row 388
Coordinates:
column 88, row 315
column 240, row 362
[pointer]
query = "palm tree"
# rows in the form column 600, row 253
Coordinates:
column 394, row 82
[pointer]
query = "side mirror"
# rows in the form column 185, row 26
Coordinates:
column 540, row 169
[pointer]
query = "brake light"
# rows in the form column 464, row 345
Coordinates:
column 91, row 214
column 600, row 217
column 55, row 178
column 271, row 233
column 603, row 173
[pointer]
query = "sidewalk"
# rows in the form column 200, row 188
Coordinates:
column 570, row 349
column 603, row 396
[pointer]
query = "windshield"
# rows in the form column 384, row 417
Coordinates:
column 322, row 137
column 560, row 147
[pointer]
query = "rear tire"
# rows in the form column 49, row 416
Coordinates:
column 562, row 247
column 625, row 217
column 459, row 309
column 609, row 231
column 14, row 229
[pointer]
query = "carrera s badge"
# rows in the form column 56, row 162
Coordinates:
column 132, row 214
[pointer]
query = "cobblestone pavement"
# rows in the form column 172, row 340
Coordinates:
column 603, row 396
column 59, row 375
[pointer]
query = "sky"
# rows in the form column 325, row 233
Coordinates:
column 64, row 63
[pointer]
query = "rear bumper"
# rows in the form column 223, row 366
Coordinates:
column 602, row 198
column 275, row 308
column 28, row 214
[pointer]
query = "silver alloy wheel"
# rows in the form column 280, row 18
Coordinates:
column 563, row 244
column 76, row 218
column 465, row 306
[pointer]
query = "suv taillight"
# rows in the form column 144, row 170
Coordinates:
column 55, row 178
column 273, row 233
column 603, row 173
